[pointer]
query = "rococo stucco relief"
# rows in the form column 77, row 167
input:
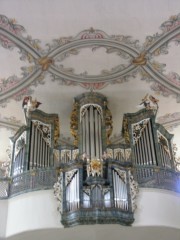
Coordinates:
column 138, row 59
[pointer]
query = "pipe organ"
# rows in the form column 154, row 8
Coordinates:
column 33, row 144
column 97, row 180
column 96, row 186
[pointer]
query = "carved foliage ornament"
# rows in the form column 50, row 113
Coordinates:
column 108, row 124
column 134, row 191
column 74, row 123
column 138, row 128
column 58, row 192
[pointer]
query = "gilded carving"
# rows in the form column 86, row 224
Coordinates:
column 74, row 123
column 126, row 131
column 95, row 168
column 140, row 60
column 108, row 124
column 45, row 62
column 56, row 131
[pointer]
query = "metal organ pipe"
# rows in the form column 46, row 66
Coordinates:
column 72, row 192
column 19, row 162
column 97, row 143
column 87, row 133
column 120, row 192
column 164, row 151
column 91, row 124
column 92, row 136
column 144, row 145
column 39, row 148
column 99, row 134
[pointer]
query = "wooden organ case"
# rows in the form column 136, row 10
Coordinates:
column 94, row 187
column 97, row 181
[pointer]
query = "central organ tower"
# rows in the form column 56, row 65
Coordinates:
column 91, row 124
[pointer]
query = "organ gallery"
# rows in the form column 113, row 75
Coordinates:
column 95, row 181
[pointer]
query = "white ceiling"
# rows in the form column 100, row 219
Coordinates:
column 50, row 20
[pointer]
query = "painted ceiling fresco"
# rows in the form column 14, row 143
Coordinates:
column 120, row 66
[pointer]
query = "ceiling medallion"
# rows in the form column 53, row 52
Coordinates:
column 139, row 59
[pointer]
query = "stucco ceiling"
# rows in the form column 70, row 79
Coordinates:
column 57, row 49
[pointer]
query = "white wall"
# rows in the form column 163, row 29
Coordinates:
column 3, row 217
column 157, row 207
column 35, row 210
column 38, row 210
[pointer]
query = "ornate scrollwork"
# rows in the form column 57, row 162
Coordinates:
column 134, row 191
column 45, row 129
column 12, row 36
column 176, row 159
column 138, row 128
column 58, row 192
column 75, row 154
column 5, row 168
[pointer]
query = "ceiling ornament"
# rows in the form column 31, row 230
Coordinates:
column 10, row 123
column 138, row 59
column 170, row 121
